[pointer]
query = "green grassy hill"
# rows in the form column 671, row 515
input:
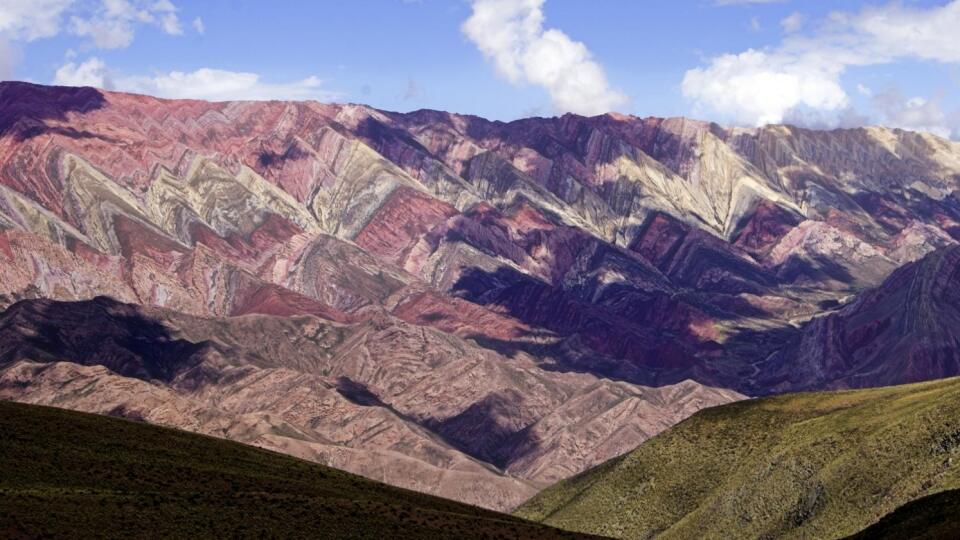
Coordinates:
column 65, row 474
column 933, row 517
column 817, row 465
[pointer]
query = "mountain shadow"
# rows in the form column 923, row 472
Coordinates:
column 26, row 108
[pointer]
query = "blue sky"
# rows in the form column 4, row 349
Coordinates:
column 734, row 61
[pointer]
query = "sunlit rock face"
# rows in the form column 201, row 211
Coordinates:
column 464, row 307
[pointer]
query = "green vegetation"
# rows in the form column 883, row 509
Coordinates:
column 930, row 518
column 69, row 474
column 817, row 465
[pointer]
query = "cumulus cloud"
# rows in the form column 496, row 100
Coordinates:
column 804, row 71
column 510, row 34
column 198, row 25
column 756, row 88
column 204, row 83
column 93, row 72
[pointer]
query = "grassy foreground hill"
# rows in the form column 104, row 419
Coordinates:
column 817, row 465
column 65, row 473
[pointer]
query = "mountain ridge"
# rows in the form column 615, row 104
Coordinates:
column 590, row 272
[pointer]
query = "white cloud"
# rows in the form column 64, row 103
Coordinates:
column 757, row 88
column 31, row 19
column 170, row 24
column 916, row 113
column 792, row 22
column 26, row 20
column 204, row 83
column 895, row 32
column 510, row 34
column 198, row 25
column 804, row 71
column 167, row 17
column 222, row 85
column 104, row 33
column 93, row 72
column 109, row 24
column 113, row 24
column 864, row 90
column 755, row 24
column 820, row 119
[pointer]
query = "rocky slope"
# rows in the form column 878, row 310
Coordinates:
column 904, row 330
column 812, row 465
column 524, row 299
column 401, row 404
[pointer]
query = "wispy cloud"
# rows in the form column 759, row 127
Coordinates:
column 105, row 24
column 205, row 83
column 793, row 22
column 413, row 91
column 113, row 24
column 916, row 113
column 745, row 2
column 9, row 55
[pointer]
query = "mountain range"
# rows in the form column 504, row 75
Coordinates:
column 468, row 308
